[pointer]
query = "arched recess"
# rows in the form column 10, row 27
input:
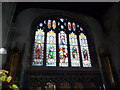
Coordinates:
column 78, row 85
column 83, row 28
column 91, row 85
column 35, row 86
column 50, row 86
column 65, row 85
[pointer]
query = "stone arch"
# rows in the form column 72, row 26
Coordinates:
column 91, row 85
column 35, row 86
column 65, row 85
column 50, row 85
column 78, row 85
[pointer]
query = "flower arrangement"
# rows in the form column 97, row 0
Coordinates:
column 7, row 81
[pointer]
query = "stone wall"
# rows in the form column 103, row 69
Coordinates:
column 23, row 29
column 112, row 36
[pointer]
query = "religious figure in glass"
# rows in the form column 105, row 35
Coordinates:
column 85, row 54
column 63, row 53
column 38, row 51
column 51, row 49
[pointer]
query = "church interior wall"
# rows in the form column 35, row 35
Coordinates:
column 104, row 41
column 7, row 32
column 111, row 22
column 23, row 29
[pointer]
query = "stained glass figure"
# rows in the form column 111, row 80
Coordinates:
column 63, row 52
column 69, row 26
column 73, row 26
column 54, row 24
column 51, row 49
column 49, row 24
column 84, row 51
column 38, row 48
column 74, row 52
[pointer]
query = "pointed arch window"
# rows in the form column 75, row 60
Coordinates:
column 51, row 49
column 74, row 52
column 84, row 50
column 38, row 48
column 63, row 51
column 60, row 40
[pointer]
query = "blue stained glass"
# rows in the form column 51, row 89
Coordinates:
column 44, row 21
column 58, row 23
column 62, row 27
column 41, row 24
column 40, row 29
column 62, row 20
column 65, row 23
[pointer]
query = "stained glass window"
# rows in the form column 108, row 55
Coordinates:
column 38, row 48
column 51, row 49
column 54, row 33
column 84, row 50
column 74, row 53
column 63, row 52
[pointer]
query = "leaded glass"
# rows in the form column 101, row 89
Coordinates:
column 38, row 48
column 49, row 24
column 51, row 49
column 69, row 26
column 63, row 52
column 84, row 50
column 74, row 52
column 54, row 24
column 73, row 26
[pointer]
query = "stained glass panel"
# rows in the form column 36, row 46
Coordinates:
column 84, row 51
column 62, row 24
column 44, row 21
column 38, row 48
column 69, row 26
column 49, row 24
column 73, row 26
column 62, row 27
column 41, row 24
column 81, row 29
column 62, row 20
column 74, row 52
column 63, row 52
column 54, row 24
column 51, row 49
